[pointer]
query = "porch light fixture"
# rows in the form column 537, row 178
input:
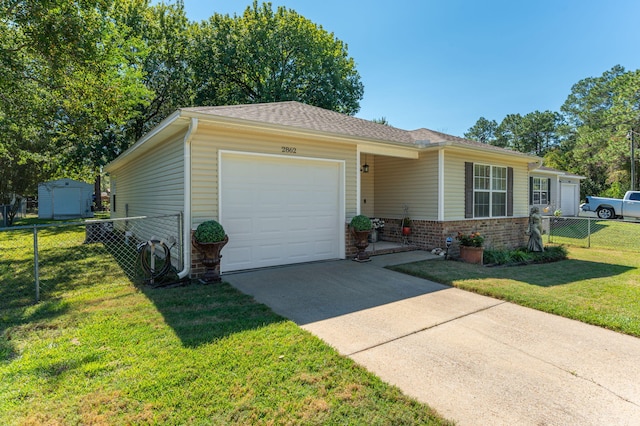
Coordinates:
column 365, row 166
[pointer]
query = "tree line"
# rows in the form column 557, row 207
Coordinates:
column 591, row 135
column 81, row 80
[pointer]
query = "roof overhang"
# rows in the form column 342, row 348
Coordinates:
column 372, row 146
column 478, row 149
column 557, row 173
column 177, row 124
column 174, row 124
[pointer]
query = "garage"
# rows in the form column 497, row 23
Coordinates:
column 64, row 199
column 280, row 210
column 570, row 196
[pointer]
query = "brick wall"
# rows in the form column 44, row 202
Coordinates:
column 427, row 234
column 499, row 233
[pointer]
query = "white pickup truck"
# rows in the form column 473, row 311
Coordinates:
column 611, row 208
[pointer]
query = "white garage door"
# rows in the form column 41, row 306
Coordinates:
column 279, row 211
column 66, row 202
column 569, row 200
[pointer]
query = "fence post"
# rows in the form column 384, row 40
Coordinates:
column 589, row 233
column 36, row 269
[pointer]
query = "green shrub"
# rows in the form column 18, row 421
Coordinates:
column 523, row 256
column 495, row 257
column 209, row 232
column 361, row 223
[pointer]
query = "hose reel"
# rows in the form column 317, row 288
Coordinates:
column 154, row 257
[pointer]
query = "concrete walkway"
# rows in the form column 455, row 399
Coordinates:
column 474, row 359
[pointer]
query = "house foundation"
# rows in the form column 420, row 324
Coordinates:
column 502, row 233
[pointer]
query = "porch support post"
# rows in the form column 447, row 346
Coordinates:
column 358, row 180
column 441, row 185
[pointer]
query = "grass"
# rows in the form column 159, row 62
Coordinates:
column 617, row 235
column 99, row 350
column 596, row 286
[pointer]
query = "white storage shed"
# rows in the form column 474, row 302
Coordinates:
column 64, row 199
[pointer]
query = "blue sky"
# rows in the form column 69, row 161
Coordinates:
column 444, row 64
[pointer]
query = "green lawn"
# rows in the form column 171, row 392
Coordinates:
column 596, row 286
column 99, row 350
column 596, row 233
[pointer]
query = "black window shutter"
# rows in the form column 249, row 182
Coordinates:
column 530, row 190
column 549, row 191
column 468, row 190
column 509, row 191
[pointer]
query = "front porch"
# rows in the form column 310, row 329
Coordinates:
column 388, row 247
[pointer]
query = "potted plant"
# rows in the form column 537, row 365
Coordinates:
column 360, row 227
column 377, row 226
column 471, row 250
column 406, row 226
column 209, row 238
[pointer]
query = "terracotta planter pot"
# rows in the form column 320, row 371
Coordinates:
column 361, row 242
column 211, row 258
column 406, row 230
column 471, row 254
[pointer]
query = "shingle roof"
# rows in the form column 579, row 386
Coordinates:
column 307, row 117
column 559, row 172
column 426, row 136
column 296, row 114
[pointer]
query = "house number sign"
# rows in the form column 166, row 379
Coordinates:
column 289, row 149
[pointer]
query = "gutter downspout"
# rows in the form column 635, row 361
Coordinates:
column 186, row 217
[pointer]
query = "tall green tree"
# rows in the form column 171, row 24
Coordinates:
column 541, row 131
column 164, row 31
column 483, row 131
column 602, row 111
column 534, row 133
column 267, row 56
column 69, row 79
column 509, row 134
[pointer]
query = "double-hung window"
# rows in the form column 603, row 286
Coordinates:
column 540, row 190
column 488, row 190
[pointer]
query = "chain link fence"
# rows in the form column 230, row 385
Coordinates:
column 592, row 232
column 38, row 261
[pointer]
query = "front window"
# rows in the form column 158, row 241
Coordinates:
column 489, row 191
column 540, row 190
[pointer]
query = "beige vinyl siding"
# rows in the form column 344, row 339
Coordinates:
column 152, row 184
column 209, row 141
column 400, row 181
column 454, row 182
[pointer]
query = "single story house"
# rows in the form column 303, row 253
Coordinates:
column 554, row 190
column 285, row 179
column 64, row 199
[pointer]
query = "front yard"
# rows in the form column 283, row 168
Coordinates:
column 596, row 286
column 99, row 350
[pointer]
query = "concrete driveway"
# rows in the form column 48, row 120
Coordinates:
column 474, row 359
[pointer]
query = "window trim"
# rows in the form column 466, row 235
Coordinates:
column 470, row 190
column 534, row 191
